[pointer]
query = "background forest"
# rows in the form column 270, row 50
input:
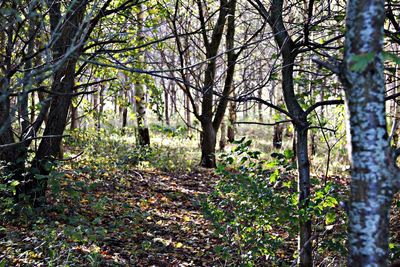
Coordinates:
column 199, row 132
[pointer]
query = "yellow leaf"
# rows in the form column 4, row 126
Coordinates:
column 186, row 218
column 178, row 245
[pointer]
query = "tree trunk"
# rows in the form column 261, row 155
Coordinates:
column 231, row 121
column 32, row 108
column 7, row 154
column 187, row 111
column 304, row 185
column 143, row 130
column 125, row 112
column 288, row 52
column 174, row 108
column 277, row 139
column 143, row 137
column 101, row 107
column 63, row 82
column 210, row 126
column 222, row 140
column 260, row 111
column 74, row 117
column 166, row 104
column 208, row 142
column 374, row 175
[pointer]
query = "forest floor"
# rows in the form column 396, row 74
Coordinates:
column 123, row 218
column 116, row 206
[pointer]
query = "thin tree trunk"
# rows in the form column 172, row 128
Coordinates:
column 304, row 186
column 210, row 126
column 95, row 107
column 74, row 117
column 143, row 130
column 32, row 108
column 166, row 104
column 277, row 138
column 187, row 111
column 232, row 120
column 101, row 107
column 222, row 140
column 260, row 111
column 125, row 113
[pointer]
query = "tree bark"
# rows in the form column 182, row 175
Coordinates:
column 143, row 130
column 374, row 174
column 277, row 138
column 125, row 112
column 8, row 154
column 232, row 120
column 303, row 188
column 300, row 123
column 222, row 139
column 166, row 104
column 209, row 128
column 260, row 111
column 208, row 142
column 74, row 117
column 63, row 82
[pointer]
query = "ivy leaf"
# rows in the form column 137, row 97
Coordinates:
column 360, row 62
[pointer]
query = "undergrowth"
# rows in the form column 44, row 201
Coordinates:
column 254, row 209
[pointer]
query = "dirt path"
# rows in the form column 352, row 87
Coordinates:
column 175, row 232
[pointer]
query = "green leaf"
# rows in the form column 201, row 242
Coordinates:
column 360, row 62
column 388, row 56
column 287, row 184
column 41, row 177
column 330, row 218
column 288, row 153
column 274, row 176
column 14, row 184
column 244, row 159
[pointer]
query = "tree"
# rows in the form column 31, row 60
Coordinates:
column 143, row 135
column 208, row 75
column 290, row 47
column 71, row 24
column 374, row 174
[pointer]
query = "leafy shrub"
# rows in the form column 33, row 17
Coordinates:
column 254, row 208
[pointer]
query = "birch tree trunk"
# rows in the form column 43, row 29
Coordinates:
column 373, row 170
column 140, row 94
